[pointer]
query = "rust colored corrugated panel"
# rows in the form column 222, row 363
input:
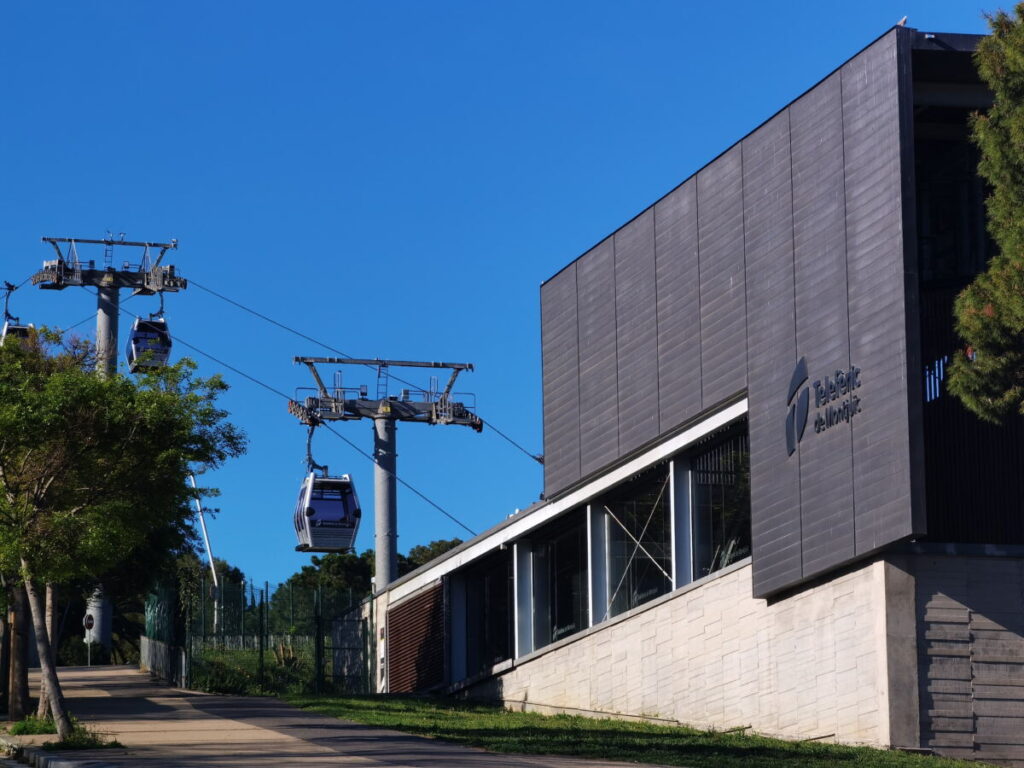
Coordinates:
column 416, row 643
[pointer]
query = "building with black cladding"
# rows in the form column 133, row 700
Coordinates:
column 761, row 506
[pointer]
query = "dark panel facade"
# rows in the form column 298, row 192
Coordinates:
column 637, row 345
column 819, row 256
column 599, row 400
column 723, row 318
column 561, row 366
column 768, row 233
column 677, row 261
column 788, row 247
column 876, row 295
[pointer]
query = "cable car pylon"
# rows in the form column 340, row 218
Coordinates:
column 430, row 406
column 147, row 277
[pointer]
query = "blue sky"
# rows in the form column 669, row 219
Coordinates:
column 394, row 178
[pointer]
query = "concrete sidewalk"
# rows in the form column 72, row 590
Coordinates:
column 163, row 727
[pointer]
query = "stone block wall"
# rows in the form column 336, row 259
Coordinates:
column 971, row 656
column 812, row 665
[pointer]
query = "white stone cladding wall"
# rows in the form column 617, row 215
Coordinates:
column 810, row 665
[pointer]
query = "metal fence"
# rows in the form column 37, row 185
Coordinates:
column 254, row 638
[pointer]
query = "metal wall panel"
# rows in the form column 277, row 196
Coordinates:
column 561, row 371
column 874, row 244
column 676, row 257
column 788, row 246
column 768, row 233
column 819, row 233
column 599, row 396
column 723, row 318
column 637, row 332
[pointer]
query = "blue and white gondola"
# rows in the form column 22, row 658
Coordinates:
column 149, row 344
column 327, row 514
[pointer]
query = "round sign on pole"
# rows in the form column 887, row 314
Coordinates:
column 88, row 622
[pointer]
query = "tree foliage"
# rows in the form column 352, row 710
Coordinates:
column 349, row 571
column 424, row 553
column 988, row 376
column 93, row 469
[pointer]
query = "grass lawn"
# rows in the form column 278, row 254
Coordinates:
column 498, row 730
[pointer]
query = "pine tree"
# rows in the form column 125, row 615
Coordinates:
column 988, row 375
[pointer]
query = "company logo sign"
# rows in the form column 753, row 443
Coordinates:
column 796, row 421
column 835, row 399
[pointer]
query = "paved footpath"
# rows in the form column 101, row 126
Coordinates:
column 163, row 727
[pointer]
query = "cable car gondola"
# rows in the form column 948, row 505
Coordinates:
column 149, row 344
column 13, row 328
column 327, row 514
column 327, row 511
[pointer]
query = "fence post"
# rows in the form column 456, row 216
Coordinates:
column 318, row 644
column 259, row 629
column 223, row 612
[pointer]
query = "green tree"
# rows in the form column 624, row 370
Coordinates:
column 988, row 376
column 342, row 580
column 424, row 553
column 92, row 470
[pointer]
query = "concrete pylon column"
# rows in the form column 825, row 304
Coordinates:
column 385, row 501
column 106, row 330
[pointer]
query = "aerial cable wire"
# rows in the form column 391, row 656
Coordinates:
column 298, row 333
column 539, row 459
column 358, row 450
column 92, row 316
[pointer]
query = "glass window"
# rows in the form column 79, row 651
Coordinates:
column 720, row 483
column 560, row 589
column 488, row 612
column 639, row 539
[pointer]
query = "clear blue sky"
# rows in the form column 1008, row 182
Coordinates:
column 395, row 178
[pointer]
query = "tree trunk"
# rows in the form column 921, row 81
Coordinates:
column 18, row 682
column 48, row 672
column 5, row 658
column 51, row 614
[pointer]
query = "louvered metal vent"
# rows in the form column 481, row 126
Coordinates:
column 416, row 643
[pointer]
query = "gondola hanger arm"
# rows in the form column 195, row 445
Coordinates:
column 451, row 383
column 309, row 452
column 316, row 376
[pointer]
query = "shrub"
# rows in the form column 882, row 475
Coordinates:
column 32, row 725
column 83, row 738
